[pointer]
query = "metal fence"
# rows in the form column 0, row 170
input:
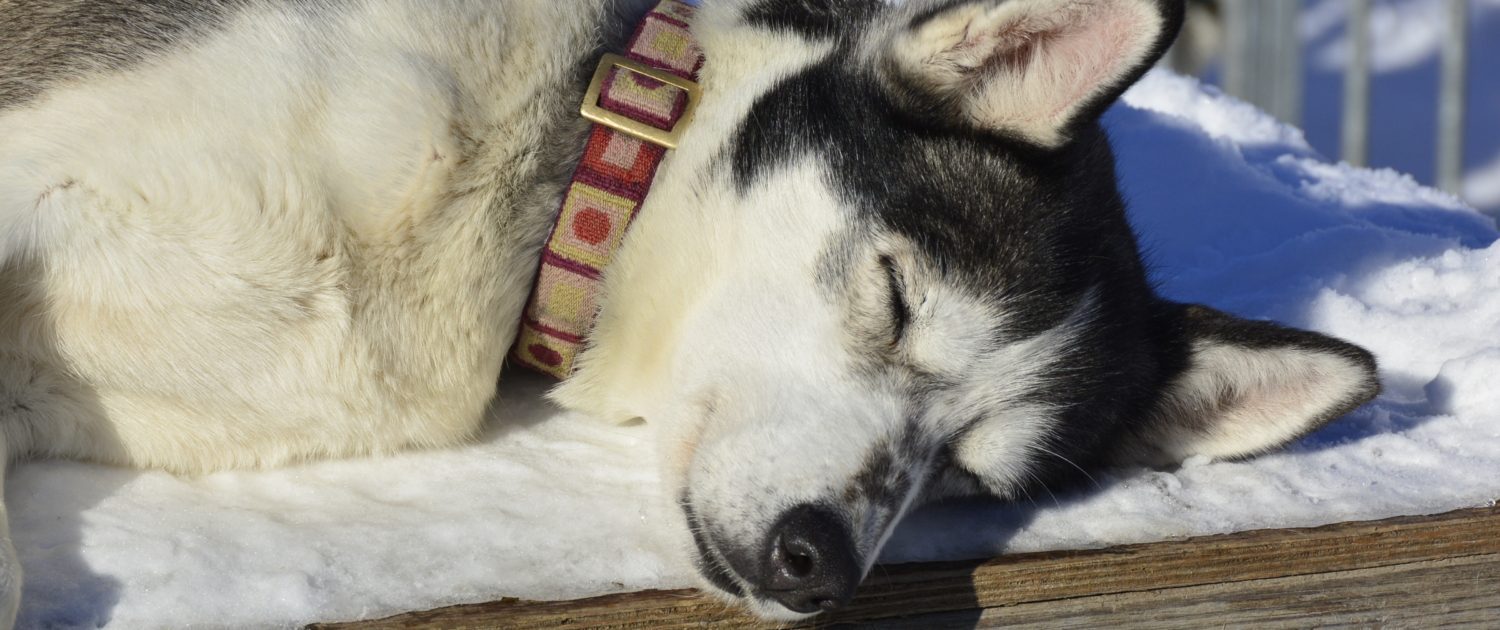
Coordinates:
column 1263, row 65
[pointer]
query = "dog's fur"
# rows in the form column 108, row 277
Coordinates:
column 888, row 263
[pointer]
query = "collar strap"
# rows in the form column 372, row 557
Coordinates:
column 639, row 104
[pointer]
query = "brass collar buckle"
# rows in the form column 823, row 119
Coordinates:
column 619, row 122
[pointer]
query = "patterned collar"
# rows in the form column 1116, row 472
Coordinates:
column 639, row 104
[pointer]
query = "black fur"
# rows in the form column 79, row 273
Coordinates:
column 52, row 41
column 886, row 476
column 813, row 19
column 1033, row 228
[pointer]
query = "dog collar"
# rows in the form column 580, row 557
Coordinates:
column 639, row 103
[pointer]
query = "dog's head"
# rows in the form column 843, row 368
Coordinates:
column 889, row 262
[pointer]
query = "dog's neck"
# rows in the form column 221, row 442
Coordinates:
column 676, row 247
column 639, row 104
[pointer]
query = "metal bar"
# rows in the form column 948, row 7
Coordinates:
column 1450, row 151
column 1356, row 118
column 1238, row 36
column 1262, row 57
column 1283, row 60
column 1178, row 56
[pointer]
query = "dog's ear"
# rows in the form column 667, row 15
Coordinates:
column 1245, row 388
column 1033, row 69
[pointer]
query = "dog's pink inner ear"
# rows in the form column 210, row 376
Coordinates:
column 1029, row 67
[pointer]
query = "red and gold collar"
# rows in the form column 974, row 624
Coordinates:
column 639, row 103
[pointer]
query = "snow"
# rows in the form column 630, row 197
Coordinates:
column 1237, row 211
column 546, row 505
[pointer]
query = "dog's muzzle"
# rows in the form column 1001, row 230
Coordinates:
column 807, row 561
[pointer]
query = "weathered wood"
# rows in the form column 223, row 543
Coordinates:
column 1342, row 573
column 1452, row 592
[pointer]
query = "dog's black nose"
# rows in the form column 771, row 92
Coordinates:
column 812, row 566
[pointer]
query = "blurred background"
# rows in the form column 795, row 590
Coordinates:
column 1412, row 85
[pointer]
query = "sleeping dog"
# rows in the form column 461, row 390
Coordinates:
column 876, row 253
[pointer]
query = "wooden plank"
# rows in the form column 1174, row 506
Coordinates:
column 949, row 590
column 1453, row 592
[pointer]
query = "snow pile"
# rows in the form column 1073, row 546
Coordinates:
column 1237, row 211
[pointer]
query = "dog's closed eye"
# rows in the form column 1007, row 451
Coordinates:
column 900, row 312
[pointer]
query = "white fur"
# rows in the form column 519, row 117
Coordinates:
column 675, row 247
column 306, row 235
column 234, row 245
column 746, row 381
column 716, row 333
column 1013, row 434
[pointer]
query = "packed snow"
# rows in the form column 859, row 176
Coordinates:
column 1237, row 211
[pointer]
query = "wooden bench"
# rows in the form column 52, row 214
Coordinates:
column 1406, row 571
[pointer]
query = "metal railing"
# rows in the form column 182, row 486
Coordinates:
column 1450, row 151
column 1263, row 55
column 1263, row 65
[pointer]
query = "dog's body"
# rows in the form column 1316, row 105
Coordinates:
column 243, row 233
column 281, row 210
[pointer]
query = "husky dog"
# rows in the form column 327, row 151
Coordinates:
column 888, row 262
